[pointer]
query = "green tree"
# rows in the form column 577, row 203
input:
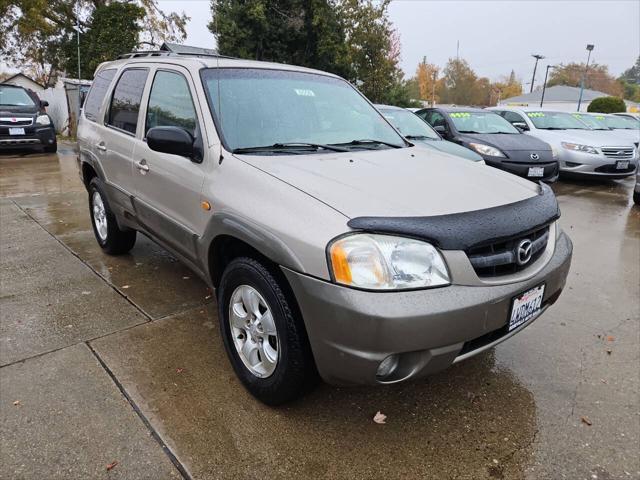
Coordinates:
column 34, row 34
column 459, row 84
column 632, row 74
column 607, row 105
column 597, row 77
column 113, row 30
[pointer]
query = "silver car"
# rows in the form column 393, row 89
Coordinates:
column 581, row 151
column 335, row 247
column 618, row 127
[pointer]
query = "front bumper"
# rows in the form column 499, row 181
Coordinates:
column 587, row 164
column 521, row 169
column 34, row 136
column 352, row 331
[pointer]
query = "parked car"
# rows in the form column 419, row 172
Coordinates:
column 417, row 130
column 619, row 127
column 500, row 144
column 631, row 115
column 334, row 246
column 23, row 121
column 581, row 151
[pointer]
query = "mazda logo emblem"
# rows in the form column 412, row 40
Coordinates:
column 524, row 251
column 534, row 156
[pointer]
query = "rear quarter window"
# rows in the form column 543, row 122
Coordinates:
column 97, row 93
column 125, row 102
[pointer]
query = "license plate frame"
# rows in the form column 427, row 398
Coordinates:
column 535, row 172
column 622, row 164
column 525, row 306
column 16, row 131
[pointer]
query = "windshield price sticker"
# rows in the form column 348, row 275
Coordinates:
column 535, row 114
column 460, row 115
column 303, row 92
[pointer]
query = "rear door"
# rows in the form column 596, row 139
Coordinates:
column 168, row 187
column 117, row 138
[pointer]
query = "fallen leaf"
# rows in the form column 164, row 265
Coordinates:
column 586, row 421
column 111, row 466
column 608, row 351
column 380, row 418
column 17, row 403
column 603, row 380
column 125, row 286
column 86, row 292
column 179, row 370
column 610, row 338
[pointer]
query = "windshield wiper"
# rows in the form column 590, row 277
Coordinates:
column 419, row 137
column 468, row 131
column 367, row 141
column 553, row 128
column 290, row 146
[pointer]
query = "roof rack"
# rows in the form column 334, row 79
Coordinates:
column 164, row 53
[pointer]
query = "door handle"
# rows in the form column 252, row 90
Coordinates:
column 142, row 166
column 101, row 146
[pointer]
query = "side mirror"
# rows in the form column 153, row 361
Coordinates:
column 523, row 127
column 440, row 129
column 172, row 140
column 44, row 103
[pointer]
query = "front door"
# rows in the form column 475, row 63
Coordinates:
column 168, row 187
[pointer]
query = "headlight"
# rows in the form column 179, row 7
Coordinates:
column 580, row 148
column 554, row 153
column 384, row 262
column 43, row 120
column 486, row 150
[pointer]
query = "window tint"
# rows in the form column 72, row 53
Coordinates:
column 97, row 93
column 15, row 96
column 170, row 103
column 436, row 119
column 512, row 117
column 125, row 102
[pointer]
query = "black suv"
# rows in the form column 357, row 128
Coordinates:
column 501, row 144
column 23, row 120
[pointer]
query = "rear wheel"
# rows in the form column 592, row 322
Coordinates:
column 105, row 227
column 263, row 333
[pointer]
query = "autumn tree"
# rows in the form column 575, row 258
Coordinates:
column 35, row 34
column 459, row 83
column 597, row 78
column 507, row 87
column 427, row 78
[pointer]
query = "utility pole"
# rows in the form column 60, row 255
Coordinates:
column 544, row 86
column 458, row 50
column 584, row 77
column 433, row 88
column 537, row 57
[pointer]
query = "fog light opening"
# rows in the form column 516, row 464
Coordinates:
column 387, row 367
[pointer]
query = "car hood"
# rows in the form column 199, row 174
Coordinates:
column 452, row 148
column 507, row 142
column 416, row 181
column 7, row 110
column 593, row 138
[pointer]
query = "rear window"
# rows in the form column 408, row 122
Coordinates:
column 97, row 93
column 125, row 103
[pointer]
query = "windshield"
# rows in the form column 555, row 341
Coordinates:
column 595, row 122
column 15, row 97
column 409, row 124
column 618, row 122
column 481, row 122
column 261, row 108
column 556, row 121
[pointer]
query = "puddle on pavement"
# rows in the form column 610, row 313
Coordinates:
column 472, row 421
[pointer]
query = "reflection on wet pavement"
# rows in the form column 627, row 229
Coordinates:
column 559, row 400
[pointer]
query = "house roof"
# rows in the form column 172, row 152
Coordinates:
column 557, row 93
column 7, row 80
column 187, row 49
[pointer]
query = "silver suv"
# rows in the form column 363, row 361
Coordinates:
column 336, row 247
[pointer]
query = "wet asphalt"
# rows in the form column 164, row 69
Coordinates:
column 112, row 367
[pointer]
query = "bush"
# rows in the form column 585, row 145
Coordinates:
column 607, row 105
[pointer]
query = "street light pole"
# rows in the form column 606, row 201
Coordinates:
column 544, row 85
column 537, row 57
column 586, row 69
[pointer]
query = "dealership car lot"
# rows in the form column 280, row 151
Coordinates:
column 110, row 359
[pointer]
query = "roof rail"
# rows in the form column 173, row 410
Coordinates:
column 164, row 53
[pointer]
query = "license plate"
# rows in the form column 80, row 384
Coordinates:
column 526, row 306
column 16, row 131
column 622, row 164
column 536, row 172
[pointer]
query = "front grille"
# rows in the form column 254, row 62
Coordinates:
column 622, row 153
column 19, row 141
column 613, row 169
column 499, row 259
column 17, row 122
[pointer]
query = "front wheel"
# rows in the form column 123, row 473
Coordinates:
column 105, row 227
column 263, row 333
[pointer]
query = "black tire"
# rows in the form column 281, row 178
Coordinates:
column 53, row 148
column 116, row 241
column 295, row 372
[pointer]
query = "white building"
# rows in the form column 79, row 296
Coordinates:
column 21, row 80
column 562, row 98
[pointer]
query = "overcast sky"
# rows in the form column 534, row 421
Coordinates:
column 494, row 36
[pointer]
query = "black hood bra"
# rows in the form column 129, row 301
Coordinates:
column 462, row 231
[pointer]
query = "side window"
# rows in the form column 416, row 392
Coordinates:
column 170, row 103
column 436, row 119
column 125, row 103
column 97, row 93
column 512, row 117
